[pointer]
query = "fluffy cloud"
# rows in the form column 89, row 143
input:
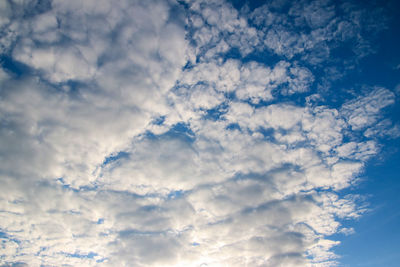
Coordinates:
column 151, row 134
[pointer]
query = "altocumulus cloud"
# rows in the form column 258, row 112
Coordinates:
column 181, row 133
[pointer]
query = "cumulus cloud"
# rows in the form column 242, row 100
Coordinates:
column 152, row 134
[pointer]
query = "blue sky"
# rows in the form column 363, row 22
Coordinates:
column 199, row 133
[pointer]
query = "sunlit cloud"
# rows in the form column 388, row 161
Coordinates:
column 181, row 133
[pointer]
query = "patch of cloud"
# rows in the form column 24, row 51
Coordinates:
column 315, row 30
column 365, row 110
column 110, row 157
column 347, row 231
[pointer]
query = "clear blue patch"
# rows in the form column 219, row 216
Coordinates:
column 175, row 194
column 3, row 234
column 216, row 113
column 112, row 158
column 233, row 126
column 101, row 260
column 159, row 120
column 17, row 68
column 376, row 238
column 65, row 185
column 73, row 86
column 6, row 236
column 187, row 66
column 268, row 133
column 182, row 131
column 233, row 53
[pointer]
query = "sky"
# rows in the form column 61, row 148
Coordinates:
column 199, row 133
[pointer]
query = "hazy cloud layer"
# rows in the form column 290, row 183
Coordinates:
column 150, row 133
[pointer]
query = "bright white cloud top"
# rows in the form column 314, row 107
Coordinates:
column 188, row 133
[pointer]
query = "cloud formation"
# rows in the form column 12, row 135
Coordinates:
column 180, row 133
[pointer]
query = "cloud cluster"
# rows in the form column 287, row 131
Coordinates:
column 150, row 133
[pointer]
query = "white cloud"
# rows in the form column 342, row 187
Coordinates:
column 384, row 128
column 365, row 110
column 347, row 231
column 132, row 138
